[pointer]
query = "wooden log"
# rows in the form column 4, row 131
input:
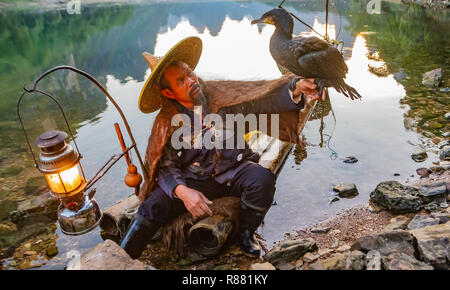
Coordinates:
column 112, row 216
column 208, row 235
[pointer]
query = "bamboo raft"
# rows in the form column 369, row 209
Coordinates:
column 208, row 235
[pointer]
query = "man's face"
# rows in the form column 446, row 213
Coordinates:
column 184, row 86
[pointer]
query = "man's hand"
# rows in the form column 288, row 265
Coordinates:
column 308, row 88
column 194, row 201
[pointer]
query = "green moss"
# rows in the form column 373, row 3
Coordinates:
column 6, row 206
column 11, row 171
column 4, row 193
column 34, row 183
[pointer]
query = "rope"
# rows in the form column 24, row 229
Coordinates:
column 333, row 154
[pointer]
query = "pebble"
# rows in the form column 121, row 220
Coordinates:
column 447, row 116
column 423, row 172
column 443, row 205
column 346, row 189
column 30, row 253
column 444, row 155
column 320, row 229
column 350, row 159
column 335, row 232
column 333, row 199
column 431, row 207
column 323, row 252
column 335, row 244
column 262, row 266
column 310, row 257
column 343, row 248
column 419, row 155
column 445, row 134
column 444, row 143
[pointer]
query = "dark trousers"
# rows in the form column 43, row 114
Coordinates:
column 254, row 184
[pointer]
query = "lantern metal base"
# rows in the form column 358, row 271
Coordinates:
column 85, row 218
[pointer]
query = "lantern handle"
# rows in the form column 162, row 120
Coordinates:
column 92, row 79
column 23, row 127
column 60, row 108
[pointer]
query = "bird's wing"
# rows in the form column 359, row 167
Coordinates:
column 301, row 45
column 327, row 62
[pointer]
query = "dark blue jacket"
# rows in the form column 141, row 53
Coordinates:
column 221, row 164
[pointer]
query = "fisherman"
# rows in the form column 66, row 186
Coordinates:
column 183, row 179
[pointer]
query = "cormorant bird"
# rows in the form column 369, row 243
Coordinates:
column 308, row 57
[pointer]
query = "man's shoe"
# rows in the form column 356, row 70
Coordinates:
column 249, row 245
column 250, row 221
column 138, row 234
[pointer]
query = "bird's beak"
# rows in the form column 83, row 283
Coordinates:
column 260, row 20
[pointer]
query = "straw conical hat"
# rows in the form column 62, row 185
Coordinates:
column 187, row 50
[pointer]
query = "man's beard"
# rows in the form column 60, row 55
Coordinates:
column 199, row 99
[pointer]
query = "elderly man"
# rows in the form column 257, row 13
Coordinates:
column 189, row 178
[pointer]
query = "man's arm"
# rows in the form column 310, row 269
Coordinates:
column 173, row 184
column 278, row 100
column 170, row 175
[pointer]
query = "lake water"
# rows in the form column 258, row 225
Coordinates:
column 395, row 117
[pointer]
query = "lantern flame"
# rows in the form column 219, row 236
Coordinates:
column 65, row 181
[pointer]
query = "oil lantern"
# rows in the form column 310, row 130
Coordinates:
column 59, row 162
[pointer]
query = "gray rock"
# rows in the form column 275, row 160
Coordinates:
column 420, row 221
column 286, row 266
column 447, row 116
column 433, row 244
column 402, row 261
column 400, row 75
column 433, row 191
column 354, row 260
column 445, row 134
column 444, row 154
column 106, row 256
column 290, row 250
column 437, row 169
column 350, row 159
column 310, row 257
column 431, row 207
column 445, row 164
column 346, row 189
column 432, row 78
column 394, row 197
column 442, row 216
column 444, row 143
column 44, row 205
column 387, row 243
column 262, row 266
column 396, row 223
column 333, row 199
column 373, row 260
column 320, row 229
column 419, row 155
column 7, row 228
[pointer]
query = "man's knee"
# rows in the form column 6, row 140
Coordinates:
column 156, row 207
column 259, row 188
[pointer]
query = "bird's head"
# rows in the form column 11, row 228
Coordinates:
column 278, row 17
